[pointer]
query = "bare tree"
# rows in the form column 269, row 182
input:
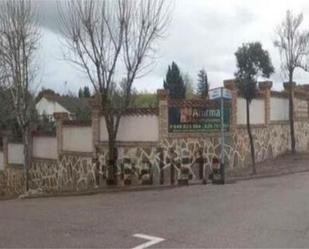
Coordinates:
column 113, row 42
column 19, row 37
column 293, row 44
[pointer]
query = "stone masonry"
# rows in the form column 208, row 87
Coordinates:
column 159, row 162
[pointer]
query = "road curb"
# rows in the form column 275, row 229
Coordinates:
column 253, row 177
column 106, row 190
column 102, row 191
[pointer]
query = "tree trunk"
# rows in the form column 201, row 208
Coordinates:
column 112, row 159
column 27, row 155
column 112, row 124
column 291, row 113
column 250, row 137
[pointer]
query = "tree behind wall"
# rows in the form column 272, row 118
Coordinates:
column 252, row 61
column 202, row 85
column 19, row 38
column 144, row 100
column 174, row 82
column 8, row 119
column 189, row 85
column 112, row 40
column 84, row 92
column 293, row 45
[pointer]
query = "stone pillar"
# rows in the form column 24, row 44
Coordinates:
column 265, row 88
column 163, row 113
column 60, row 117
column 231, row 85
column 95, row 122
column 286, row 86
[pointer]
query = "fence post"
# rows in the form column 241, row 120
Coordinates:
column 163, row 114
column 265, row 88
column 60, row 117
column 95, row 122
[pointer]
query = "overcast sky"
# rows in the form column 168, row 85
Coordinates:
column 203, row 34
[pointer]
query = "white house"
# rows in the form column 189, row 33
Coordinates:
column 49, row 103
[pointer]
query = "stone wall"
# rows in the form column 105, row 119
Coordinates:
column 75, row 172
column 159, row 160
column 165, row 159
column 302, row 136
column 71, row 172
column 11, row 182
column 269, row 143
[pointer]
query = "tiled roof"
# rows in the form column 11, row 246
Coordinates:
column 196, row 102
column 304, row 87
column 138, row 111
column 72, row 104
column 141, row 111
column 77, row 122
column 283, row 94
column 302, row 91
column 189, row 102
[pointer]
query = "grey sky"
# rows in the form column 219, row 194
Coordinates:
column 203, row 34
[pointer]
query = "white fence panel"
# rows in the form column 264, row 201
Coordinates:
column 45, row 147
column 77, row 139
column 301, row 108
column 16, row 153
column 257, row 111
column 279, row 109
column 134, row 129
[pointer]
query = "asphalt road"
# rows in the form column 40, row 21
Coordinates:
column 272, row 212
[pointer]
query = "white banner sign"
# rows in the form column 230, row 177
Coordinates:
column 216, row 93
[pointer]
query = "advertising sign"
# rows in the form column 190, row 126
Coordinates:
column 197, row 119
column 216, row 93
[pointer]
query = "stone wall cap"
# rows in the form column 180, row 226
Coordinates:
column 230, row 84
column 163, row 94
column 141, row 111
column 200, row 102
column 283, row 94
column 265, row 85
column 147, row 111
column 43, row 134
column 79, row 123
column 286, row 85
column 61, row 115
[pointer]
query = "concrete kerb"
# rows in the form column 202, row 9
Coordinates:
column 103, row 191
column 113, row 189
column 256, row 177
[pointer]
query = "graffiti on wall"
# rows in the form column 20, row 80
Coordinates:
column 161, row 164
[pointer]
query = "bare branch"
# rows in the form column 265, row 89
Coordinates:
column 293, row 44
column 19, row 38
column 113, row 39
